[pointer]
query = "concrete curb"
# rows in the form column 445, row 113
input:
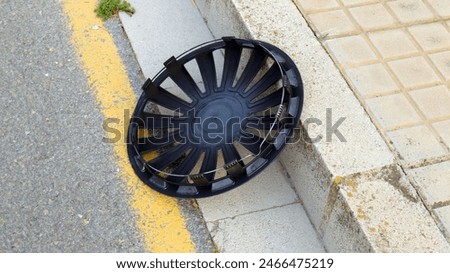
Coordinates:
column 354, row 192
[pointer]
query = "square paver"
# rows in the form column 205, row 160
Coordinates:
column 270, row 189
column 410, row 11
column 333, row 22
column 443, row 129
column 282, row 229
column 442, row 61
column 371, row 79
column 416, row 143
column 413, row 71
column 356, row 2
column 392, row 43
column 351, row 50
column 444, row 215
column 434, row 102
column 442, row 7
column 316, row 5
column 372, row 16
column 433, row 182
column 393, row 111
column 431, row 36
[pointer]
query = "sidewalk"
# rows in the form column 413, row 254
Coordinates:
column 396, row 57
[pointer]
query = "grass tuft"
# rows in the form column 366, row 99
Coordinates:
column 108, row 8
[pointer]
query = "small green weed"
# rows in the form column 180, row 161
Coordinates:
column 108, row 8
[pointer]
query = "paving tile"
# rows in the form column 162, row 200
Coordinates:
column 444, row 215
column 350, row 50
column 434, row 102
column 433, row 182
column 442, row 7
column 371, row 79
column 332, row 22
column 410, row 11
column 442, row 61
column 282, row 229
column 372, row 16
column 392, row 43
column 316, row 5
column 392, row 110
column 416, row 143
column 443, row 129
column 270, row 188
column 356, row 2
column 413, row 71
column 431, row 36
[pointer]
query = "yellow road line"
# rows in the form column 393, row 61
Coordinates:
column 158, row 217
